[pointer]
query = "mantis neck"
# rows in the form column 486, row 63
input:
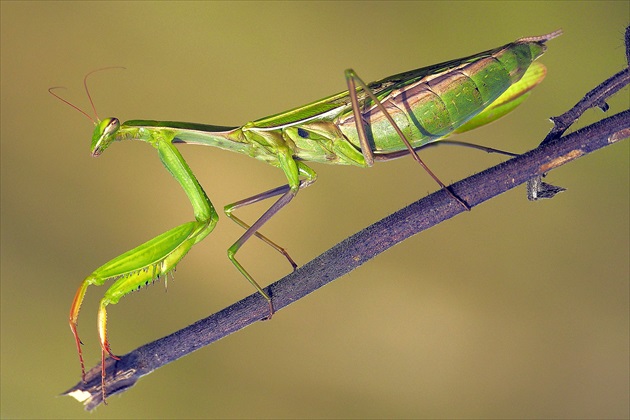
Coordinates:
column 226, row 138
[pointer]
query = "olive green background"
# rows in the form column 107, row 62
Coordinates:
column 515, row 309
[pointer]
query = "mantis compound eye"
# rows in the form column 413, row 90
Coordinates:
column 104, row 134
column 112, row 127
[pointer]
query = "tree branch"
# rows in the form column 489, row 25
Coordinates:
column 349, row 254
column 536, row 188
column 595, row 98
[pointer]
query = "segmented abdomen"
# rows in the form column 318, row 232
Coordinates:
column 434, row 106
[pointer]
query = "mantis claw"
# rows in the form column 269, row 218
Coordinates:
column 132, row 270
column 271, row 311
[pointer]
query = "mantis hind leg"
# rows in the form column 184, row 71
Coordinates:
column 401, row 153
column 352, row 80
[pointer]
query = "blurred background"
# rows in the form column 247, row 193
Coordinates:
column 515, row 309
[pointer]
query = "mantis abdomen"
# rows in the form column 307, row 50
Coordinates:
column 436, row 105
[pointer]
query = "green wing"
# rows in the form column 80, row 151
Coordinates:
column 341, row 101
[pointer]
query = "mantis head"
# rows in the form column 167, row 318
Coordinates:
column 104, row 133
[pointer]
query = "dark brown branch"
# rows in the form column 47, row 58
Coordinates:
column 365, row 245
column 536, row 188
column 595, row 98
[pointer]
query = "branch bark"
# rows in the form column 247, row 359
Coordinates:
column 354, row 251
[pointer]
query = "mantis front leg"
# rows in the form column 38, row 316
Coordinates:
column 155, row 258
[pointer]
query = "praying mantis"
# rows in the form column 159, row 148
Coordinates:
column 372, row 122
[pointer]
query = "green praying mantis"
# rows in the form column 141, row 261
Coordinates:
column 371, row 122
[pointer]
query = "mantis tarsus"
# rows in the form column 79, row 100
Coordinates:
column 371, row 122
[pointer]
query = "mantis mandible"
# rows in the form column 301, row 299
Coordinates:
column 371, row 122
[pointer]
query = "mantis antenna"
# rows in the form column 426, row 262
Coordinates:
column 96, row 119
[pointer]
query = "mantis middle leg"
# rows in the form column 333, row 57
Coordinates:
column 286, row 192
